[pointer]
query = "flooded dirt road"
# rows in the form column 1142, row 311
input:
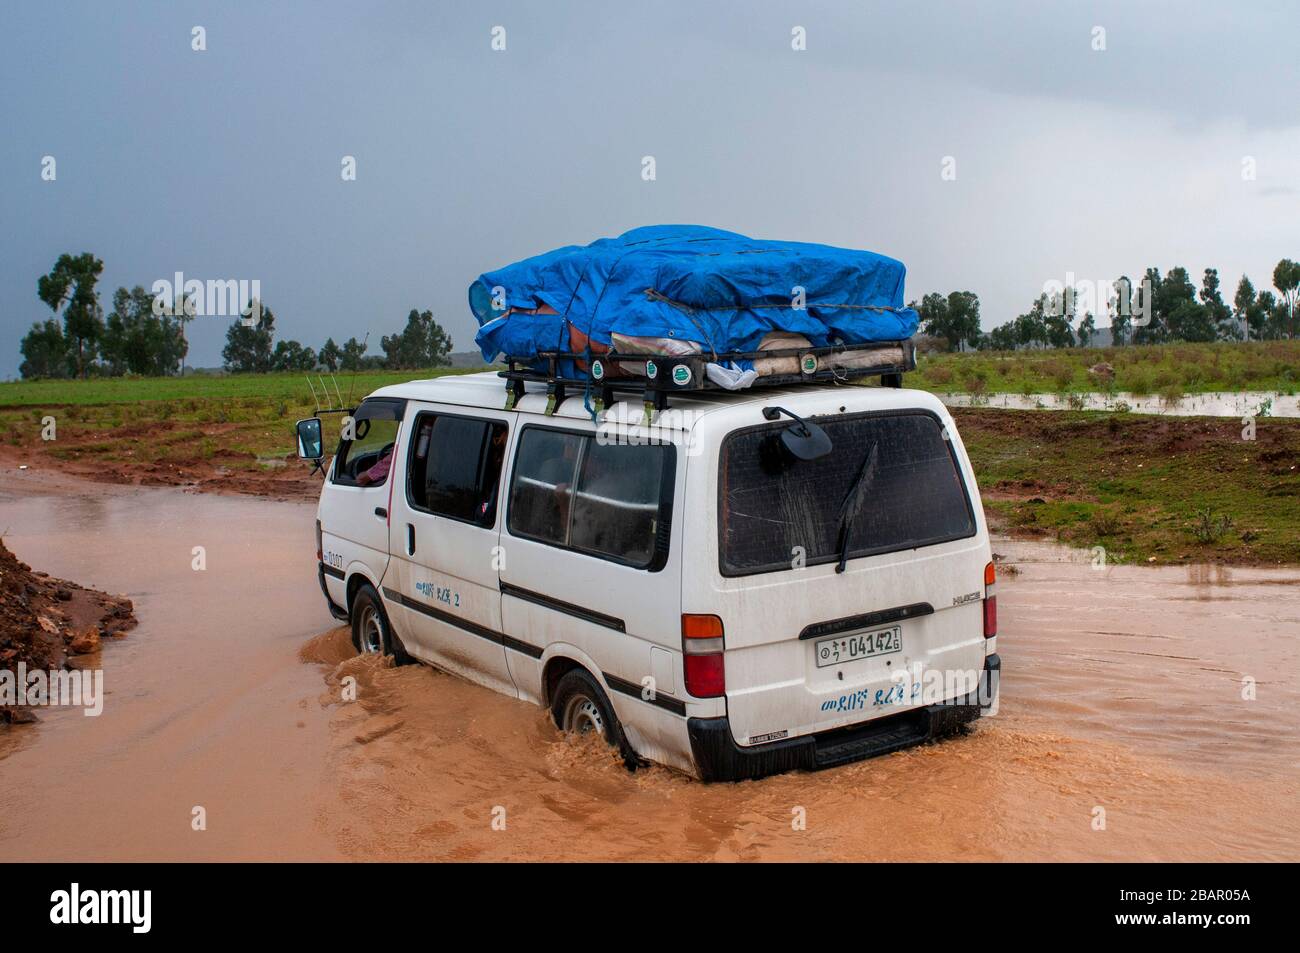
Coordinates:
column 206, row 702
column 1122, row 702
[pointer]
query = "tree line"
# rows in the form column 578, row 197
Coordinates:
column 1156, row 309
column 249, row 348
column 146, row 337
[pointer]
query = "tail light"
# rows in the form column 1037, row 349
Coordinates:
column 320, row 547
column 702, row 656
column 990, row 601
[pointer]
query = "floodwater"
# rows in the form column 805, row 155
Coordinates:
column 1129, row 726
column 1230, row 404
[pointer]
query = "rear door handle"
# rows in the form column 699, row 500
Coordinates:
column 381, row 512
column 410, row 539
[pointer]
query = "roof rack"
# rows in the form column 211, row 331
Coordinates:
column 685, row 373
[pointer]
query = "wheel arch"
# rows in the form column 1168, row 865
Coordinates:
column 556, row 667
column 562, row 657
column 356, row 578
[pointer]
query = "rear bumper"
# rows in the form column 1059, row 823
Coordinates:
column 719, row 758
column 337, row 612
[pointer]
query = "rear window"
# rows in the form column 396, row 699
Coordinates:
column 776, row 511
column 541, row 489
column 613, row 501
column 616, row 504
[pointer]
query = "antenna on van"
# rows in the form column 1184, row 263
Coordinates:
column 322, row 398
column 364, row 342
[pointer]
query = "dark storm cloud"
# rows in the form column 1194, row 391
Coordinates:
column 225, row 163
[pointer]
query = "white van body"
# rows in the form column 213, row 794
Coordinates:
column 821, row 667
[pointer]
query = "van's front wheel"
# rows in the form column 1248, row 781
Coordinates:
column 371, row 632
column 581, row 707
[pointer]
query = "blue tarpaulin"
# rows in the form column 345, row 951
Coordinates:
column 690, row 283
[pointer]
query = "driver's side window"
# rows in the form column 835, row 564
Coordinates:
column 366, row 459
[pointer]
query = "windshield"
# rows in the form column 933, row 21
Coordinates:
column 364, row 459
column 891, row 482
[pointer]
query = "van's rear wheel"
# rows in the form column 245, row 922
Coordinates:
column 581, row 707
column 368, row 632
column 372, row 634
column 582, row 716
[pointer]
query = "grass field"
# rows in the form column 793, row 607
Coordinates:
column 241, row 422
column 1142, row 486
column 290, row 386
column 1165, row 488
column 1169, row 370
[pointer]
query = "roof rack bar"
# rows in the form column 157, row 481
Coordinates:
column 667, row 374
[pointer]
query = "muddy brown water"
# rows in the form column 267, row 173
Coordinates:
column 1122, row 693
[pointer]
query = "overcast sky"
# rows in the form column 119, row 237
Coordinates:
column 226, row 163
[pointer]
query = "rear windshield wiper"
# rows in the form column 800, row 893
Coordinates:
column 853, row 502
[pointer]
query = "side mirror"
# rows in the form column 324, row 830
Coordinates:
column 309, row 439
column 803, row 440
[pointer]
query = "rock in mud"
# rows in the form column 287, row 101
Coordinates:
column 85, row 642
column 42, row 619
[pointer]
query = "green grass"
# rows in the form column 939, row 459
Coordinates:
column 1170, row 488
column 1167, row 370
column 290, row 386
column 235, row 419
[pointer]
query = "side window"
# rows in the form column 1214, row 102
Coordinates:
column 455, row 467
column 604, row 500
column 366, row 459
column 616, row 508
column 541, row 489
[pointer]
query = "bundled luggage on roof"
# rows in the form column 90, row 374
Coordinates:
column 683, row 307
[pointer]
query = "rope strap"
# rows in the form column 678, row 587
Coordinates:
column 687, row 309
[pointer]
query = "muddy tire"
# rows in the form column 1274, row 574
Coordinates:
column 581, row 706
column 372, row 633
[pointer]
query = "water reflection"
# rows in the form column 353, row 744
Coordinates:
column 1235, row 404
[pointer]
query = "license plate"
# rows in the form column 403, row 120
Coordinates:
column 860, row 645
